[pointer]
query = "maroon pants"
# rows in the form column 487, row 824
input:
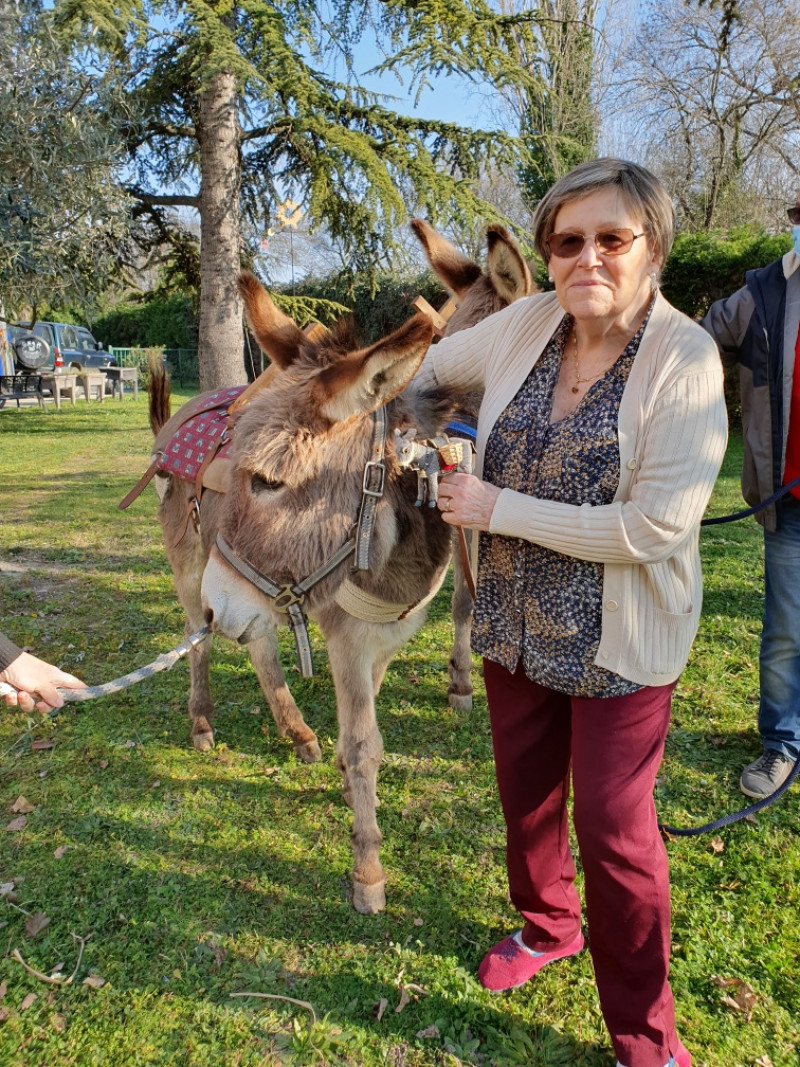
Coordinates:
column 614, row 747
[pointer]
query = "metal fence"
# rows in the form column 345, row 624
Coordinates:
column 181, row 362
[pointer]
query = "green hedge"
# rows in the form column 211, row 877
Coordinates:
column 169, row 322
column 704, row 267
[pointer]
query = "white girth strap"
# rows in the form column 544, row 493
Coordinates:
column 368, row 608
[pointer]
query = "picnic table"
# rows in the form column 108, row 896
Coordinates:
column 92, row 379
column 61, row 383
column 118, row 376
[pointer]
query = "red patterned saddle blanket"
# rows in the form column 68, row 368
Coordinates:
column 196, row 435
column 203, row 434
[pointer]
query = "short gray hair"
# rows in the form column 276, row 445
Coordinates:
column 644, row 194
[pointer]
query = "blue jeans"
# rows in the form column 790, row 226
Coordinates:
column 779, row 660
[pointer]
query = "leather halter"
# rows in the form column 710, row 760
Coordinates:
column 289, row 599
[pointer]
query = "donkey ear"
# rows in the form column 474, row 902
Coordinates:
column 275, row 332
column 507, row 270
column 369, row 378
column 455, row 270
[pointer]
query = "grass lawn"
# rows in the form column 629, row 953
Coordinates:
column 177, row 881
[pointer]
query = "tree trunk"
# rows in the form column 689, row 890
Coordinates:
column 221, row 338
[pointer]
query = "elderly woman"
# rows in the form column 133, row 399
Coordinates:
column 600, row 437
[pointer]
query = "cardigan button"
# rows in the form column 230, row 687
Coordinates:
column 611, row 605
column 631, row 464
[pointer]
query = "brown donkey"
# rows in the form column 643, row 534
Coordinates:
column 478, row 295
column 314, row 460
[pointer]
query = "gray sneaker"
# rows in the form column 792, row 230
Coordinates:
column 766, row 774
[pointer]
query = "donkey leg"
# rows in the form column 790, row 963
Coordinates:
column 459, row 692
column 359, row 748
column 287, row 715
column 201, row 706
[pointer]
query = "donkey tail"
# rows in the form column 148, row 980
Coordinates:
column 160, row 389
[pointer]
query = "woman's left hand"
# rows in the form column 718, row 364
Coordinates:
column 465, row 500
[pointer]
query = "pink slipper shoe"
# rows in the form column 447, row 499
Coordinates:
column 511, row 963
column 680, row 1059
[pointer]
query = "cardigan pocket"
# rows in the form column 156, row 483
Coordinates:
column 670, row 636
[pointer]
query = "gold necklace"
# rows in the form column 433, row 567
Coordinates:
column 578, row 380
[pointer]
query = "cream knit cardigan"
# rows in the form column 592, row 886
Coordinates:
column 672, row 436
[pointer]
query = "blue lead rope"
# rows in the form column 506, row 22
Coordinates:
column 751, row 809
column 784, row 489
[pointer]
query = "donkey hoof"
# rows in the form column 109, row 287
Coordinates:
column 203, row 742
column 369, row 899
column 460, row 701
column 310, row 752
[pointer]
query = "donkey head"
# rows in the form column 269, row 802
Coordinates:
column 506, row 279
column 301, row 446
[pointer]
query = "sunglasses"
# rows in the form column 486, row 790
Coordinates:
column 607, row 243
column 794, row 215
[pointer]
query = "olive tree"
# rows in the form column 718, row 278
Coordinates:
column 63, row 215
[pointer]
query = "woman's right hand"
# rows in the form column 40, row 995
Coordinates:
column 35, row 683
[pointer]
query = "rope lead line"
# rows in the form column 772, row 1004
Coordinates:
column 164, row 662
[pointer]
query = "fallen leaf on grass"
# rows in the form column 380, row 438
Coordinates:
column 381, row 1008
column 418, row 922
column 21, row 806
column 3, row 989
column 94, row 981
column 60, row 851
column 103, row 764
column 58, row 1022
column 6, row 890
column 35, row 923
column 717, row 844
column 43, row 744
column 764, row 1061
column 30, row 999
column 4, row 1013
column 404, row 999
column 743, row 998
column 17, row 824
column 430, row 1031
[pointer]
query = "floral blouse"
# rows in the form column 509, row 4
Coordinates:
column 534, row 604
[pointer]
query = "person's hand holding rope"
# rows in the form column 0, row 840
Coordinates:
column 34, row 683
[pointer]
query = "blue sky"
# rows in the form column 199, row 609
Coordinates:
column 453, row 99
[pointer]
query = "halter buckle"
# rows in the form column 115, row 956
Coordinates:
column 381, row 469
column 286, row 598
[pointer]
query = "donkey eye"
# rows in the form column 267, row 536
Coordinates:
column 263, row 485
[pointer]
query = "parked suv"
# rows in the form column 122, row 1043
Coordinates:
column 68, row 348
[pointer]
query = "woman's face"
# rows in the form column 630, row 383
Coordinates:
column 594, row 286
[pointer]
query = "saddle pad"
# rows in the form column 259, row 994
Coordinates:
column 199, row 436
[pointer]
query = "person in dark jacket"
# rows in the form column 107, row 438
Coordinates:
column 34, row 681
column 759, row 327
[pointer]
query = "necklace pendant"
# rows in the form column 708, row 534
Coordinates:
column 575, row 389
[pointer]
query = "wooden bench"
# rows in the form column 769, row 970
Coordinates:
column 21, row 387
